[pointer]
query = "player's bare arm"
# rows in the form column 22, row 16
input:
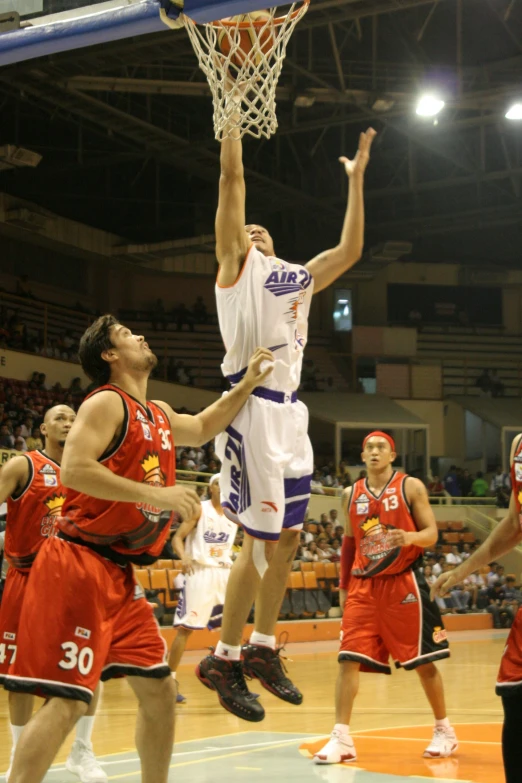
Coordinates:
column 197, row 430
column 423, row 515
column 232, row 241
column 178, row 544
column 97, row 426
column 331, row 264
column 347, row 548
column 13, row 477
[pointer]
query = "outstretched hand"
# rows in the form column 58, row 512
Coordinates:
column 259, row 368
column 358, row 165
column 444, row 584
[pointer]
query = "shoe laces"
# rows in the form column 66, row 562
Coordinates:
column 439, row 733
column 87, row 758
column 238, row 679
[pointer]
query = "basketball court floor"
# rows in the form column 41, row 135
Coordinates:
column 391, row 725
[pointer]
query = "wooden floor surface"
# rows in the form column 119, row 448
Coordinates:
column 389, row 710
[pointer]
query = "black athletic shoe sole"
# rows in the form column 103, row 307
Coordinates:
column 229, row 707
column 291, row 699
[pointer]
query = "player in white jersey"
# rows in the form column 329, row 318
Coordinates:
column 204, row 545
column 266, row 455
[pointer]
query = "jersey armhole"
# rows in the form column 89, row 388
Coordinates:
column 17, row 495
column 111, row 451
column 404, row 495
column 238, row 278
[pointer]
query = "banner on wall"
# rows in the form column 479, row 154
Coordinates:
column 7, row 454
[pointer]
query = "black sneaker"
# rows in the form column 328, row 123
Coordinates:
column 227, row 678
column 266, row 664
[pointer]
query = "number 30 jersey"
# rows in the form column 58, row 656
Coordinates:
column 267, row 307
column 210, row 542
column 143, row 452
column 372, row 517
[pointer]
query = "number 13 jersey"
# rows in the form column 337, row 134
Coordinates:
column 267, row 307
column 372, row 517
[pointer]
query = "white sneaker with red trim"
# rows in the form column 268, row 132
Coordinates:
column 443, row 743
column 339, row 748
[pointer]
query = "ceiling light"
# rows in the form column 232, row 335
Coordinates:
column 514, row 112
column 429, row 106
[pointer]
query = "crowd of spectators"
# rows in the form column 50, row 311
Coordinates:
column 179, row 315
column 459, row 484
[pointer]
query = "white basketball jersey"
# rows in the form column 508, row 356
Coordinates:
column 267, row 307
column 210, row 542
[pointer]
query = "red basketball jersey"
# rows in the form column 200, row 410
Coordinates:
column 372, row 517
column 32, row 515
column 516, row 477
column 144, row 452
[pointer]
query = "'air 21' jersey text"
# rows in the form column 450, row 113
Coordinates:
column 267, row 307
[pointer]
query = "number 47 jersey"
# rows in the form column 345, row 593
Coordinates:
column 372, row 517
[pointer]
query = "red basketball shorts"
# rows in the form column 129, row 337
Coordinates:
column 83, row 619
column 391, row 616
column 10, row 610
column 510, row 674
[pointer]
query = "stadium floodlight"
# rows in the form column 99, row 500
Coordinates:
column 429, row 105
column 514, row 112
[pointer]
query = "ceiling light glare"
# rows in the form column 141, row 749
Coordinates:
column 429, row 106
column 514, row 112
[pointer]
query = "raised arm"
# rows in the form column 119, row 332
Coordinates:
column 197, row 430
column 331, row 264
column 232, row 241
column 96, row 427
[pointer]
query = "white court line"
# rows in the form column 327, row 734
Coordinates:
column 175, row 756
column 417, row 726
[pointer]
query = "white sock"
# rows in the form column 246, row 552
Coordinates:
column 84, row 728
column 16, row 733
column 444, row 722
column 228, row 651
column 263, row 639
column 173, row 675
column 344, row 728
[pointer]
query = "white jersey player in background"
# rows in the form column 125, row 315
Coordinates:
column 204, row 545
column 267, row 459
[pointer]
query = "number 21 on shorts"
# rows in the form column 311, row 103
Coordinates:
column 75, row 658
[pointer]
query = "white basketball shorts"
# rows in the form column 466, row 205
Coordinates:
column 267, row 464
column 202, row 598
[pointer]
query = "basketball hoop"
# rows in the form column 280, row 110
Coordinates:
column 242, row 58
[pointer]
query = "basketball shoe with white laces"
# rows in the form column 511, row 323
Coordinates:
column 82, row 762
column 443, row 743
column 339, row 748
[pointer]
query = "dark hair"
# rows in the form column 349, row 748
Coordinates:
column 95, row 340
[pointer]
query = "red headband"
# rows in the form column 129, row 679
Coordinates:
column 379, row 434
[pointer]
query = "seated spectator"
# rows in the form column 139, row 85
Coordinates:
column 483, row 384
column 502, row 611
column 451, row 484
column 6, row 438
column 324, row 549
column 500, row 487
column 316, row 485
column 476, row 584
column 311, row 553
column 183, row 316
column 466, row 483
column 17, row 433
column 34, row 441
column 497, row 387
column 436, row 488
column 29, row 408
column 336, row 548
column 307, row 534
column 20, row 444
column 461, row 597
column 76, row 387
column 23, row 287
column 343, row 475
column 27, row 427
column 199, row 311
column 466, row 551
column 429, row 576
column 334, row 515
column 183, row 375
column 495, row 575
column 453, row 557
column 339, row 532
column 479, row 488
column 513, row 596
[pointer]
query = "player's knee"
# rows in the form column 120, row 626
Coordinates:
column 427, row 671
column 157, row 697
column 69, row 711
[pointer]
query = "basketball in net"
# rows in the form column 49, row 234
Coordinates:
column 242, row 57
column 240, row 41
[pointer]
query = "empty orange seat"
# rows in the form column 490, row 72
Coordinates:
column 142, row 575
column 468, row 538
column 442, row 525
column 450, row 538
column 310, row 580
column 319, row 570
column 457, row 525
column 296, row 580
column 330, row 571
column 306, row 565
column 165, row 564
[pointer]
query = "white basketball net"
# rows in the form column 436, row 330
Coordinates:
column 243, row 84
